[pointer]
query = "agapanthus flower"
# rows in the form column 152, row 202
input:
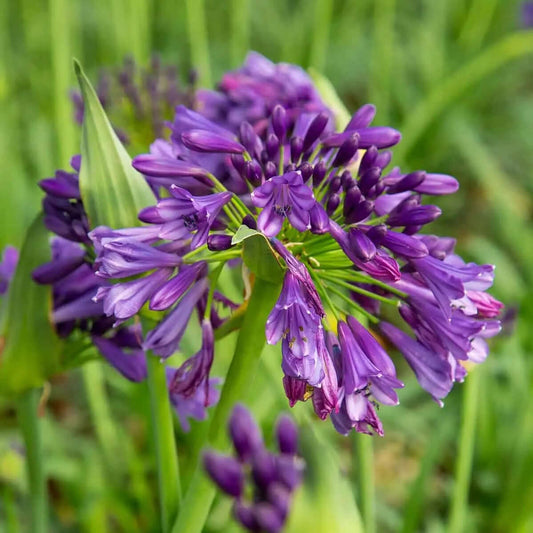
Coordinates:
column 250, row 93
column 261, row 482
column 347, row 231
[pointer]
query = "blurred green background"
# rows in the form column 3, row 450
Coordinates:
column 456, row 78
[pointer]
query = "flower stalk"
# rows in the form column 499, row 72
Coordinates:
column 31, row 433
column 164, row 443
column 250, row 344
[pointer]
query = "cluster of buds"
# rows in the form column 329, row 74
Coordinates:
column 261, row 482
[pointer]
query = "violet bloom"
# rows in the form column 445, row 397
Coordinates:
column 260, row 482
column 283, row 197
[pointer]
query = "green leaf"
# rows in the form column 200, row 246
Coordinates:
column 31, row 349
column 331, row 98
column 258, row 254
column 113, row 192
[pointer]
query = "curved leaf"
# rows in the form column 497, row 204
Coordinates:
column 113, row 192
column 29, row 348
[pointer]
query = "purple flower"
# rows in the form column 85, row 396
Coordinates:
column 283, row 197
column 164, row 339
column 185, row 215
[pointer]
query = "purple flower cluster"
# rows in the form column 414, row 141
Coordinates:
column 86, row 302
column 250, row 93
column 261, row 482
column 265, row 153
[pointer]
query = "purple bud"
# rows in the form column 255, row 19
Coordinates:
column 361, row 211
column 351, row 199
column 404, row 245
column 244, row 432
column 319, row 219
column 363, row 248
column 362, row 118
column 408, row 182
column 290, row 470
column 346, row 151
column 420, row 215
column 272, row 146
column 335, row 184
column 377, row 233
column 295, row 389
column 383, row 159
column 253, row 172
column 218, row 242
column 263, row 468
column 245, row 515
column 249, row 139
column 271, row 170
column 379, row 136
column 249, row 221
column 238, row 162
column 368, row 160
column 314, row 130
column 306, row 170
column 319, row 173
column 226, row 472
column 287, row 435
column 333, row 202
column 279, row 121
column 297, row 146
column 267, row 517
column 207, row 141
column 369, row 179
column 347, row 180
column 153, row 165
column 280, row 497
column 438, row 184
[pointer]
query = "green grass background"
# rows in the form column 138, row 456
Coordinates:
column 456, row 77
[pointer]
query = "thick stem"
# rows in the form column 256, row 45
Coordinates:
column 366, row 483
column 248, row 350
column 197, row 26
column 31, row 433
column 164, row 443
column 463, row 467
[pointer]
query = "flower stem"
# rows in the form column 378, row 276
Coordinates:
column 463, row 467
column 31, row 433
column 365, row 474
column 240, row 30
column 319, row 43
column 164, row 443
column 238, row 381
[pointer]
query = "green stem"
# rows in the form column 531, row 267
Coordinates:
column 463, row 467
column 31, row 433
column 9, row 506
column 164, row 443
column 93, row 380
column 366, row 483
column 238, row 382
column 197, row 26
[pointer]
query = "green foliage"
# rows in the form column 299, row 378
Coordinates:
column 29, row 349
column 107, row 179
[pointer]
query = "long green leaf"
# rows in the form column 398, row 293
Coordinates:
column 113, row 192
column 30, row 352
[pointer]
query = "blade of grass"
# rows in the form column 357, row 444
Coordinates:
column 320, row 34
column 240, row 30
column 197, row 28
column 364, row 452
